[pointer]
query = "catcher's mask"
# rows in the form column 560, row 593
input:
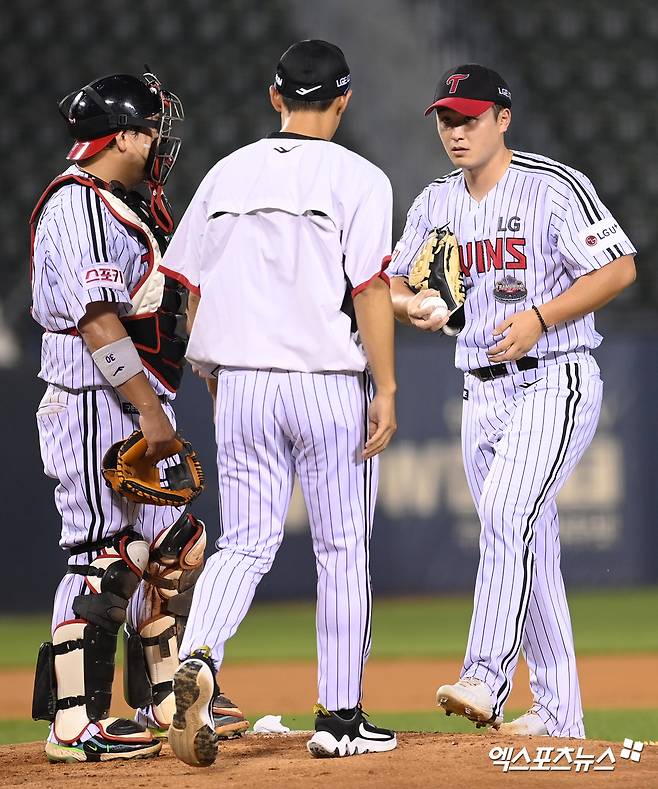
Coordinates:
column 95, row 114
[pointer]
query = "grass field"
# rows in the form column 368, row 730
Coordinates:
column 605, row 623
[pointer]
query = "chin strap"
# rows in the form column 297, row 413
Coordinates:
column 160, row 209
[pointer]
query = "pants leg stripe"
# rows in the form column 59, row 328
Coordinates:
column 574, row 397
column 571, row 406
column 85, row 471
column 96, row 464
column 367, row 482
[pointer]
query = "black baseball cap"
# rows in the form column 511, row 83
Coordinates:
column 312, row 70
column 470, row 90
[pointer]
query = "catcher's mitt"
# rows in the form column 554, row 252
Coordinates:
column 436, row 266
column 129, row 473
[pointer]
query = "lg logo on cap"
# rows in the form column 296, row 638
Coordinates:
column 454, row 80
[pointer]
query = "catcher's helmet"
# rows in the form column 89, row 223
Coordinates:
column 95, row 114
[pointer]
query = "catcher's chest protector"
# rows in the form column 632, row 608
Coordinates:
column 156, row 322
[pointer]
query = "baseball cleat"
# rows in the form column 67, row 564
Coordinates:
column 528, row 724
column 471, row 698
column 192, row 732
column 229, row 720
column 117, row 738
column 337, row 735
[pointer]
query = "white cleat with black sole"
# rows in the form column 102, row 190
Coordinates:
column 338, row 735
column 471, row 698
column 192, row 734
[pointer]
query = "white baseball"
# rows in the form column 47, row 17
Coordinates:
column 438, row 306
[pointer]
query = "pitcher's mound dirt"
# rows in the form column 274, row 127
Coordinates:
column 421, row 760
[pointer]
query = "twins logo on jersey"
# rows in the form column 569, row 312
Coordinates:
column 499, row 254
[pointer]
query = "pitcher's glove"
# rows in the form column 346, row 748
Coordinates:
column 436, row 266
column 170, row 483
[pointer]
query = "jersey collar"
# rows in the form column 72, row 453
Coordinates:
column 291, row 136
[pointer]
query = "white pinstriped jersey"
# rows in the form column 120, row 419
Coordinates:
column 533, row 234
column 82, row 254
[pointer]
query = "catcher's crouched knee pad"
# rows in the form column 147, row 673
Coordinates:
column 112, row 577
column 175, row 563
column 73, row 682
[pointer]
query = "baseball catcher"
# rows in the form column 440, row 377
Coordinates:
column 113, row 347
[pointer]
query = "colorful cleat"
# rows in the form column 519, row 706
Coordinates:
column 118, row 739
column 229, row 720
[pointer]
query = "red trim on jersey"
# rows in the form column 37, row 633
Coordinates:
column 381, row 274
column 89, row 183
column 83, row 149
column 180, row 278
column 471, row 108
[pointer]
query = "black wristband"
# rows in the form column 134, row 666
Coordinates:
column 541, row 319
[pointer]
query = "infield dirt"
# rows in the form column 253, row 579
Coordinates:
column 401, row 685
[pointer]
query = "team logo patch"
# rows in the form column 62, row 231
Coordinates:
column 509, row 290
column 602, row 235
column 454, row 80
column 103, row 276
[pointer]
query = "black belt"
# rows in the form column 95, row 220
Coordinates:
column 501, row 370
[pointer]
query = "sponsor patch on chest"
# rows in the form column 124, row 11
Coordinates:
column 103, row 275
column 601, row 236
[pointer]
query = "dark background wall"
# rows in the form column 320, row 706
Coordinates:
column 584, row 78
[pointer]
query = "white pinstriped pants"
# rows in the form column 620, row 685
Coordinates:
column 75, row 432
column 269, row 426
column 522, row 435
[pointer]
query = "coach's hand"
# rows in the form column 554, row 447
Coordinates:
column 523, row 329
column 421, row 316
column 381, row 424
column 158, row 432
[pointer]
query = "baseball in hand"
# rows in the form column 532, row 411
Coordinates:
column 435, row 308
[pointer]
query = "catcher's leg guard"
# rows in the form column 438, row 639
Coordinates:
column 175, row 563
column 73, row 685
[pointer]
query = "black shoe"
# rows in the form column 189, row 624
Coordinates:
column 192, row 732
column 118, row 738
column 347, row 733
